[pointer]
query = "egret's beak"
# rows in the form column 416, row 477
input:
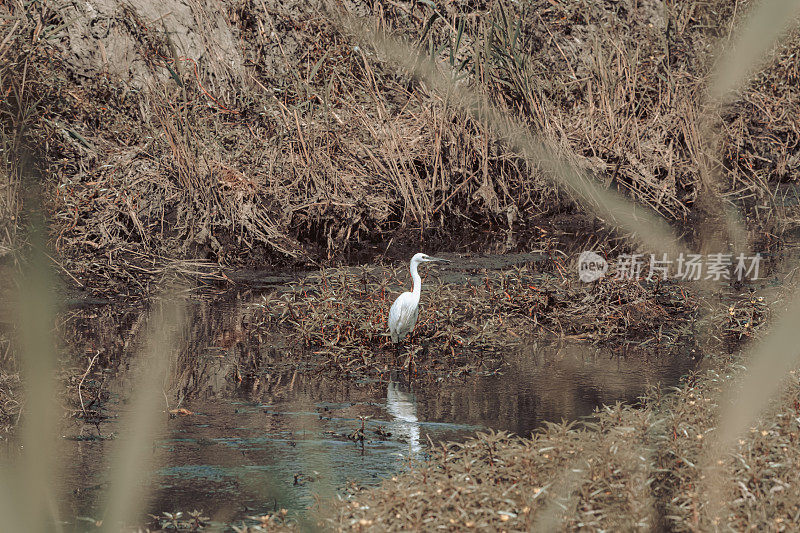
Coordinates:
column 439, row 259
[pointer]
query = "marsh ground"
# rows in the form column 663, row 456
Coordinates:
column 199, row 143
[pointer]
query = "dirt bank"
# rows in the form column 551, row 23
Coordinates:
column 257, row 134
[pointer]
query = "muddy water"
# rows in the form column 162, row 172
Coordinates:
column 256, row 428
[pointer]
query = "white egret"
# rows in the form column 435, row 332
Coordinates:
column 404, row 311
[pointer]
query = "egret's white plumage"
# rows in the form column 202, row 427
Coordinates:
column 404, row 311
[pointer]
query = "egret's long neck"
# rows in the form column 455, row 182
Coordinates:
column 417, row 281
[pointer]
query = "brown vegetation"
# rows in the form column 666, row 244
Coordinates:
column 260, row 134
column 340, row 315
column 628, row 468
column 188, row 139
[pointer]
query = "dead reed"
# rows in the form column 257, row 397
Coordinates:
column 340, row 315
column 635, row 467
column 317, row 147
column 322, row 149
column 707, row 507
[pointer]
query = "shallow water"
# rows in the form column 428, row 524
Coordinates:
column 262, row 430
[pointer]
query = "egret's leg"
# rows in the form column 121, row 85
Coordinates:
column 397, row 349
column 408, row 380
column 400, row 348
column 411, row 363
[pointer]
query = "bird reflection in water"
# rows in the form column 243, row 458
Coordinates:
column 402, row 406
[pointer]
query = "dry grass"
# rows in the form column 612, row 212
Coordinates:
column 628, row 468
column 340, row 316
column 312, row 149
